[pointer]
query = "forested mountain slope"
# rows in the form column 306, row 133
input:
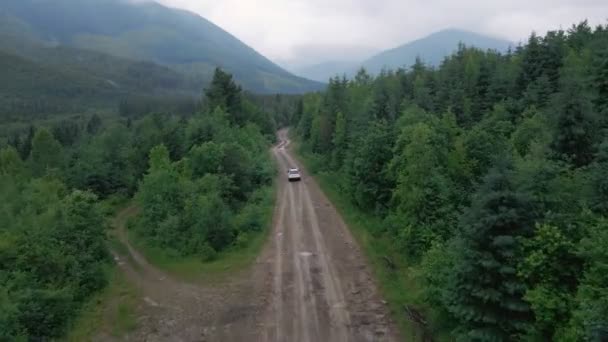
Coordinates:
column 148, row 31
column 58, row 80
column 489, row 174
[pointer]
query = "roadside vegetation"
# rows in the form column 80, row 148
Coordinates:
column 216, row 195
column 202, row 180
column 485, row 182
column 112, row 312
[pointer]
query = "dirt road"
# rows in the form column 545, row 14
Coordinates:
column 322, row 287
column 310, row 284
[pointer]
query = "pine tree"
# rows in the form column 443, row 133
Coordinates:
column 226, row 94
column 339, row 140
column 485, row 293
column 576, row 121
column 10, row 162
column 599, row 188
column 531, row 64
column 94, row 124
column 600, row 72
column 46, row 153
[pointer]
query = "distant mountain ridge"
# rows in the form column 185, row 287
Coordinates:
column 149, row 31
column 431, row 49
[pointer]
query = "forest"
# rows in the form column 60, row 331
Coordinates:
column 201, row 179
column 489, row 175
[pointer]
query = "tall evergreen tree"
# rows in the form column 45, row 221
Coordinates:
column 226, row 94
column 485, row 293
column 576, row 121
column 47, row 153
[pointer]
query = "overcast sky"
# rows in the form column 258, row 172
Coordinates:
column 297, row 32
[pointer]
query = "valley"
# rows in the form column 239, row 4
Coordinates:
column 162, row 179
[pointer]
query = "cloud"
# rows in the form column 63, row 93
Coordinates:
column 308, row 31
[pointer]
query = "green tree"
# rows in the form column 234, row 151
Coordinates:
column 576, row 121
column 339, row 141
column 367, row 167
column 67, row 132
column 590, row 318
column 423, row 197
column 225, row 94
column 94, row 124
column 484, row 292
column 551, row 269
column 10, row 162
column 206, row 158
column 47, row 153
column 599, row 183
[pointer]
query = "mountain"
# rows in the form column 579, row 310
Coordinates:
column 41, row 79
column 66, row 80
column 148, row 31
column 432, row 49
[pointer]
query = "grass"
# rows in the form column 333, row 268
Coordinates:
column 228, row 262
column 398, row 285
column 111, row 312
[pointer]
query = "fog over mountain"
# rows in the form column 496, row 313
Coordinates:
column 280, row 29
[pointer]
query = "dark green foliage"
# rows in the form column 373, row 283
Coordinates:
column 190, row 207
column 551, row 269
column 577, row 121
column 66, row 132
column 104, row 164
column 505, row 253
column 367, row 167
column 484, row 291
column 599, row 181
column 137, row 106
column 201, row 203
column 52, row 81
column 590, row 317
column 52, row 254
column 225, row 94
column 11, row 164
column 47, row 153
column 94, row 124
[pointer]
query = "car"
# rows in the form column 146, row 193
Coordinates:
column 293, row 175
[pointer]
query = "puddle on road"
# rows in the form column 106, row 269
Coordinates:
column 150, row 302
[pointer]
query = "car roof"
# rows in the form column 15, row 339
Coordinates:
column 293, row 169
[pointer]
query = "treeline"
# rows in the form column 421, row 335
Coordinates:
column 490, row 174
column 205, row 188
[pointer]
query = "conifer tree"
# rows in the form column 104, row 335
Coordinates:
column 485, row 293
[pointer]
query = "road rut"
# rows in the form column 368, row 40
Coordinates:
column 322, row 287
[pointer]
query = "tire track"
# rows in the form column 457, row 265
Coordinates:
column 317, row 263
column 310, row 284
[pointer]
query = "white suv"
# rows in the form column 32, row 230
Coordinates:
column 293, row 175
